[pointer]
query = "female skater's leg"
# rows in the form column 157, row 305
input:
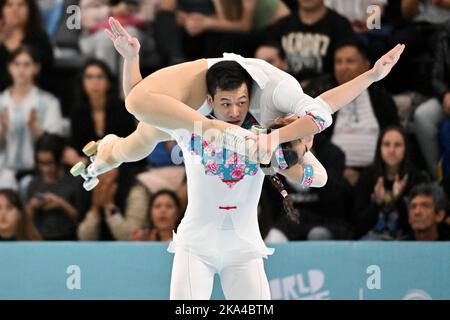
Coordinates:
column 114, row 150
column 170, row 97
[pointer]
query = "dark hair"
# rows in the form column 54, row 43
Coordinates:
column 432, row 190
column 227, row 75
column 291, row 158
column 34, row 22
column 290, row 155
column 175, row 199
column 352, row 42
column 280, row 51
column 167, row 192
column 30, row 50
column 25, row 229
column 380, row 166
column 81, row 97
column 51, row 143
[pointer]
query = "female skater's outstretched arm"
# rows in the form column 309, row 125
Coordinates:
column 128, row 47
column 337, row 98
column 143, row 140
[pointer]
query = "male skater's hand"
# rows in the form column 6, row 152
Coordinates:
column 265, row 146
column 125, row 44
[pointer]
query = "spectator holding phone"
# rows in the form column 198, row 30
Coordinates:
column 53, row 195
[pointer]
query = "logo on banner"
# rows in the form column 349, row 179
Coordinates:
column 417, row 294
column 301, row 286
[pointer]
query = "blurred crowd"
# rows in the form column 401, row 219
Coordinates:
column 387, row 153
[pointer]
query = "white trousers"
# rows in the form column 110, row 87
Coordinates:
column 193, row 277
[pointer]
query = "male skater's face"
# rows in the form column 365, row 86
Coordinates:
column 230, row 105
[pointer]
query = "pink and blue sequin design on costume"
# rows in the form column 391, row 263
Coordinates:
column 320, row 122
column 227, row 165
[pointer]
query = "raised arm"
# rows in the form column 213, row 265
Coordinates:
column 315, row 114
column 128, row 47
column 342, row 95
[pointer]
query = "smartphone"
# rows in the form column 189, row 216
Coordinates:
column 39, row 195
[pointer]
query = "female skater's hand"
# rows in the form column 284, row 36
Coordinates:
column 104, row 159
column 384, row 65
column 125, row 44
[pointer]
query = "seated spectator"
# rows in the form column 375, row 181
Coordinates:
column 26, row 112
column 14, row 222
column 170, row 18
column 427, row 204
column 54, row 195
column 273, row 54
column 116, row 210
column 51, row 11
column 270, row 211
column 380, row 207
column 166, row 171
column 356, row 127
column 243, row 15
column 431, row 114
column 97, row 110
column 424, row 18
column 164, row 217
column 318, row 207
column 209, row 28
column 8, row 179
column 356, row 11
column 94, row 41
column 22, row 25
column 237, row 25
column 444, row 141
column 323, row 210
column 364, row 16
column 309, row 37
column 430, row 11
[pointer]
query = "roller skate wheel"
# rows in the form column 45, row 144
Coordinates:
column 90, row 149
column 90, row 184
column 78, row 169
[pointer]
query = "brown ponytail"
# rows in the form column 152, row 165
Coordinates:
column 288, row 203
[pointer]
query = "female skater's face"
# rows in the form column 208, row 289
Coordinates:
column 392, row 148
column 164, row 213
column 230, row 106
column 95, row 81
column 15, row 12
column 9, row 216
column 23, row 69
column 301, row 146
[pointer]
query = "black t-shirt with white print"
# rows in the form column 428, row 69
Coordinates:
column 310, row 48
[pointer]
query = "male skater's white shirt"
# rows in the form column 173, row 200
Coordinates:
column 275, row 93
column 221, row 215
